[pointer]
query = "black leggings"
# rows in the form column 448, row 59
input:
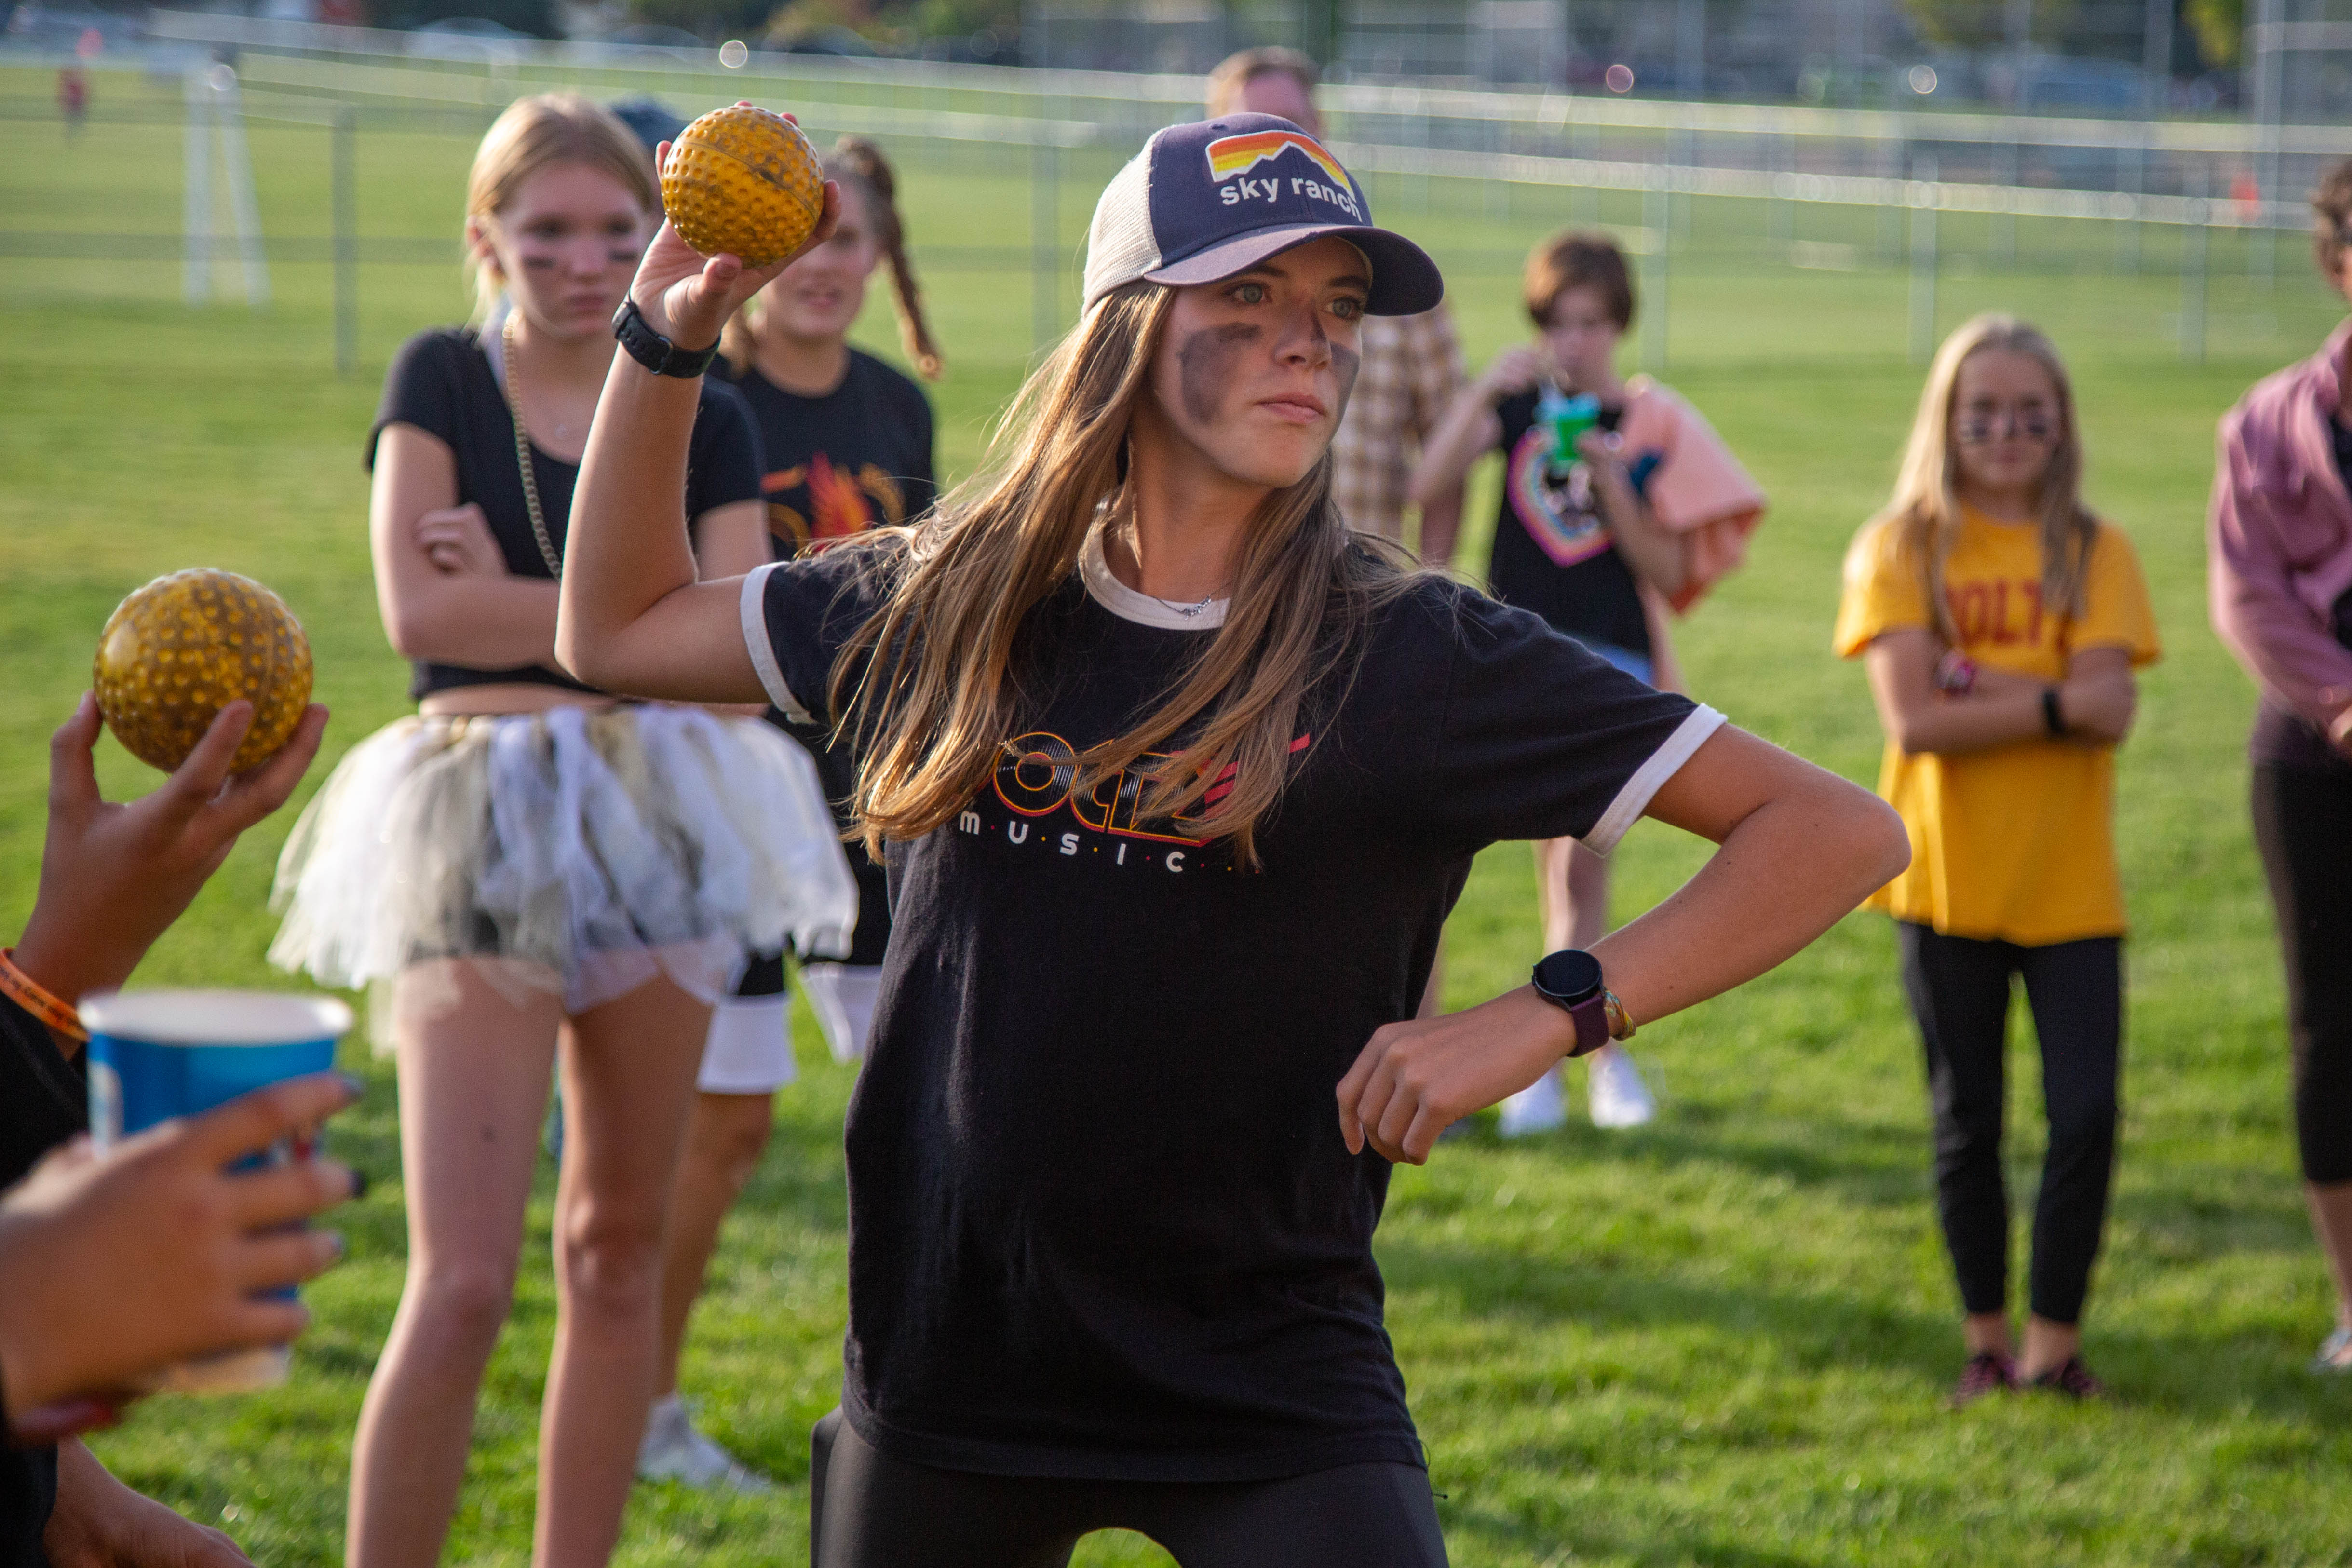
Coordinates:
column 1959, row 994
column 869, row 1511
column 2303, row 822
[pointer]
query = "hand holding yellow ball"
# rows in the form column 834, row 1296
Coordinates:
column 745, row 182
column 177, row 651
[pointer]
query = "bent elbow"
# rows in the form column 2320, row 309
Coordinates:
column 410, row 635
column 1882, row 845
column 1910, row 737
column 577, row 656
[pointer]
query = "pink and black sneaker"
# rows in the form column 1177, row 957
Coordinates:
column 1988, row 1372
column 2071, row 1378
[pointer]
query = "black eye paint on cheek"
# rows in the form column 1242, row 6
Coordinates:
column 1345, row 363
column 1206, row 360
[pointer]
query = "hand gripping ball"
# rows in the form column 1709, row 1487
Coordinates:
column 743, row 181
column 185, row 646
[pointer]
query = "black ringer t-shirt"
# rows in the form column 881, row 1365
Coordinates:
column 442, row 382
column 1102, row 1224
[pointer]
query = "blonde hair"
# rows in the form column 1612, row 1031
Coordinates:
column 929, row 685
column 540, row 133
column 856, row 161
column 1924, row 513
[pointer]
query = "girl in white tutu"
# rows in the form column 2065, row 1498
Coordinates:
column 530, row 871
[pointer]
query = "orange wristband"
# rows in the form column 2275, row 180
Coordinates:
column 27, row 993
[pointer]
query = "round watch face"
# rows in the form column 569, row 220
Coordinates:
column 1571, row 974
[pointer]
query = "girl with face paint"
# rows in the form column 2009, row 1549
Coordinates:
column 1176, row 778
column 2000, row 621
column 535, row 875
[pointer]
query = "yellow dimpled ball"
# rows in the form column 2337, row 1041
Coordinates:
column 185, row 646
column 744, row 183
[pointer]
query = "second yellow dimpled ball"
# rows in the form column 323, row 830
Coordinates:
column 743, row 181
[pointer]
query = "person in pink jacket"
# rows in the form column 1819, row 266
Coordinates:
column 2279, row 549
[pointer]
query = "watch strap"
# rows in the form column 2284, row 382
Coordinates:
column 1592, row 1018
column 655, row 351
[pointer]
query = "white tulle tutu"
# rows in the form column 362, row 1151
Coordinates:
column 590, row 849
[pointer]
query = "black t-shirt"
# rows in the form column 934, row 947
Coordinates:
column 858, row 457
column 1553, row 551
column 1102, row 1224
column 441, row 382
column 43, row 1103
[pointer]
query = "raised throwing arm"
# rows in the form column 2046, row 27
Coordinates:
column 632, row 617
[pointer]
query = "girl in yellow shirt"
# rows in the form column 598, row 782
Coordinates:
column 2000, row 623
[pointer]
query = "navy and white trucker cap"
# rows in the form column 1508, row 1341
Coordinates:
column 1207, row 200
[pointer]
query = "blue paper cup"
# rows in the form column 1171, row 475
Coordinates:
column 155, row 1055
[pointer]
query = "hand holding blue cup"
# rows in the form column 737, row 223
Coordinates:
column 158, row 1055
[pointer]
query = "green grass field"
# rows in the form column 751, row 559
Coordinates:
column 1721, row 1340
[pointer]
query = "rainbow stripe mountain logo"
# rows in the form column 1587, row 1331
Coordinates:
column 1295, row 156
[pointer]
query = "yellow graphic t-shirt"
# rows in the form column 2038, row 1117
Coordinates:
column 2014, row 842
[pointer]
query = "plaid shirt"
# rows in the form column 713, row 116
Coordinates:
column 1412, row 369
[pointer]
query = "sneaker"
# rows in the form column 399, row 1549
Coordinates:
column 2071, row 1378
column 1620, row 1097
column 1538, row 1107
column 674, row 1451
column 1988, row 1372
column 2335, row 1357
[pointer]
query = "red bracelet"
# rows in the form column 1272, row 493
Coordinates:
column 28, row 993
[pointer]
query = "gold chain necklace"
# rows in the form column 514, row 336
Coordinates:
column 547, row 551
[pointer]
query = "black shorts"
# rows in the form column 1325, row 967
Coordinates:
column 869, row 1511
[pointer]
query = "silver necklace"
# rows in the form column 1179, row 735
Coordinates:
column 1126, row 519
column 1189, row 610
column 547, row 551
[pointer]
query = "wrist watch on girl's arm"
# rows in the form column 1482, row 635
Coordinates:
column 1570, row 981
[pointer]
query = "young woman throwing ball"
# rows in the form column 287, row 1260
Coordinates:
column 1177, row 780
column 2000, row 621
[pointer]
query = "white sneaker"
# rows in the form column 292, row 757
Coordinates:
column 1620, row 1097
column 674, row 1451
column 1538, row 1107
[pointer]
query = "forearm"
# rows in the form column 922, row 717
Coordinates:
column 1788, row 871
column 1654, row 555
column 477, row 622
column 1975, row 723
column 1441, row 525
column 628, row 547
column 2281, row 644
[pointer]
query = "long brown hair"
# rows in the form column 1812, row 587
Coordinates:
column 929, row 685
column 856, row 161
column 537, row 132
column 1924, row 510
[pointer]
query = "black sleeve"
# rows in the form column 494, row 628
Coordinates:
column 723, row 464
column 43, row 1098
column 421, row 389
column 799, row 614
column 1537, row 738
column 1517, row 415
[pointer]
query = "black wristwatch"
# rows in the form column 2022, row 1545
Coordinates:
column 655, row 351
column 1570, row 981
